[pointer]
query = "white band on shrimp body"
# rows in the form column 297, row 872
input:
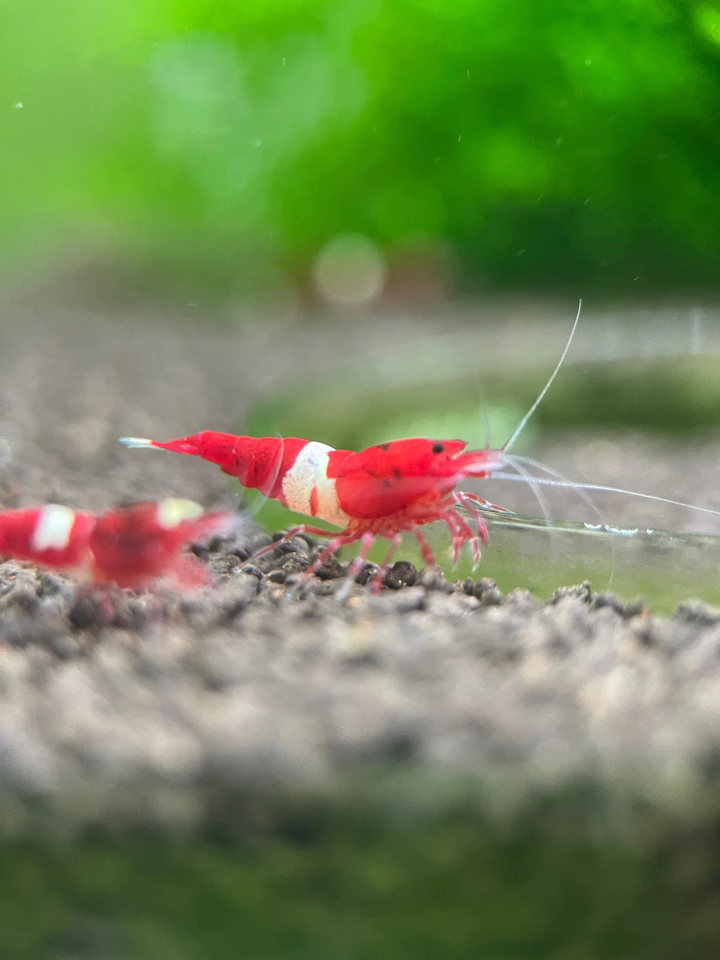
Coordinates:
column 53, row 528
column 308, row 474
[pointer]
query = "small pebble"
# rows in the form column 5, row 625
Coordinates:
column 401, row 574
column 491, row 598
column 695, row 611
column 332, row 569
column 601, row 600
column 366, row 574
column 635, row 608
column 581, row 591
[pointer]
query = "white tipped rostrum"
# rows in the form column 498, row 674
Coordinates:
column 136, row 443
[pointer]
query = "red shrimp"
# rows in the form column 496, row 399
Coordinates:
column 131, row 546
column 382, row 491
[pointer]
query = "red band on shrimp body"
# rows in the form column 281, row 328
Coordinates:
column 257, row 462
column 268, row 461
column 407, row 476
column 391, row 478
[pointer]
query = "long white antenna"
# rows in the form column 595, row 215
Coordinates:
column 571, row 485
column 521, row 426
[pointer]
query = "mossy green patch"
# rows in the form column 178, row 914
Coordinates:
column 351, row 885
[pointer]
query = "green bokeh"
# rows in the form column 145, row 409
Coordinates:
column 218, row 146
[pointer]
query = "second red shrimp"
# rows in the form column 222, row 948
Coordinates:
column 132, row 546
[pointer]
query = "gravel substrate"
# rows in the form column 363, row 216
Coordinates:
column 258, row 770
column 146, row 703
column 142, row 707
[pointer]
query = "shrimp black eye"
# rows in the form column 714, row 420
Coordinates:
column 438, row 448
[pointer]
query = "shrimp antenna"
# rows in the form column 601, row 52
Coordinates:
column 557, row 480
column 521, row 426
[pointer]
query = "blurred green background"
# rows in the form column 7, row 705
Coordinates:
column 490, row 144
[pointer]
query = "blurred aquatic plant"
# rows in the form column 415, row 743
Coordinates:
column 223, row 146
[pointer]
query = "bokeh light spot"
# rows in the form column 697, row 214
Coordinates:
column 350, row 270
